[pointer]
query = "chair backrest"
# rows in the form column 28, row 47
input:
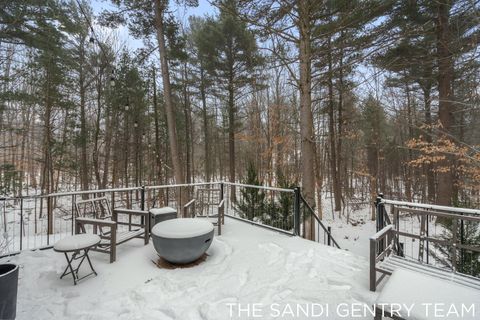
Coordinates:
column 97, row 208
column 206, row 199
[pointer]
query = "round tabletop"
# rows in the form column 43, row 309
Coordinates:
column 182, row 228
column 76, row 242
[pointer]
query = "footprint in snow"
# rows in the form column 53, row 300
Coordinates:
column 71, row 294
column 273, row 250
column 338, row 284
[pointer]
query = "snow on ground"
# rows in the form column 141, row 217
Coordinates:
column 353, row 236
column 246, row 265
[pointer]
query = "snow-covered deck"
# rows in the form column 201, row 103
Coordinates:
column 246, row 265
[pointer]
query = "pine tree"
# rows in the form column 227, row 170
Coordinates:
column 468, row 234
column 279, row 213
column 374, row 127
column 203, row 81
column 147, row 19
column 233, row 58
column 251, row 204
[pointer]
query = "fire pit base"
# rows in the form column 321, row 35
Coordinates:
column 182, row 241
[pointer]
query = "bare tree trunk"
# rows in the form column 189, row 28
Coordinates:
column 188, row 125
column 47, row 174
column 319, row 177
column 429, row 138
column 160, row 7
column 126, row 147
column 331, row 134
column 445, row 107
column 96, row 164
column 158, row 145
column 205, row 126
column 26, row 127
column 341, row 169
column 306, row 116
column 231, row 136
column 277, row 149
column 33, row 167
column 409, row 177
column 83, row 125
column 107, row 149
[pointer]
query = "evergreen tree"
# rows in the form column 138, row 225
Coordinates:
column 233, row 58
column 279, row 212
column 252, row 202
column 147, row 19
column 203, row 82
column 374, row 129
column 468, row 234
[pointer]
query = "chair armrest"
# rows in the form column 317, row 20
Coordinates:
column 189, row 204
column 377, row 253
column 221, row 213
column 96, row 222
column 382, row 233
column 131, row 212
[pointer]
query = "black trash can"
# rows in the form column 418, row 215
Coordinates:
column 8, row 291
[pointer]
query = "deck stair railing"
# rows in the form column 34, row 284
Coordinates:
column 440, row 236
column 309, row 218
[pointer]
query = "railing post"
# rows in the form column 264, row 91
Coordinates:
column 4, row 214
column 21, row 224
column 296, row 211
column 454, row 244
column 73, row 213
column 373, row 271
column 142, row 198
column 49, row 219
column 112, row 201
column 462, row 251
column 221, row 190
column 329, row 239
column 427, row 235
column 142, row 204
column 379, row 210
column 380, row 223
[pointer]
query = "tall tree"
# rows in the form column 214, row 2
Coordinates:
column 160, row 7
column 292, row 23
column 374, row 136
column 445, row 95
column 199, row 46
column 148, row 19
column 233, row 59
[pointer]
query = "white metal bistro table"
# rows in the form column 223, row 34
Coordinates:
column 78, row 245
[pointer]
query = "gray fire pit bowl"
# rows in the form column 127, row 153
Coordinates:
column 182, row 241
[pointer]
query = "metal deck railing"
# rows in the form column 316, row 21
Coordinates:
column 38, row 221
column 441, row 236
